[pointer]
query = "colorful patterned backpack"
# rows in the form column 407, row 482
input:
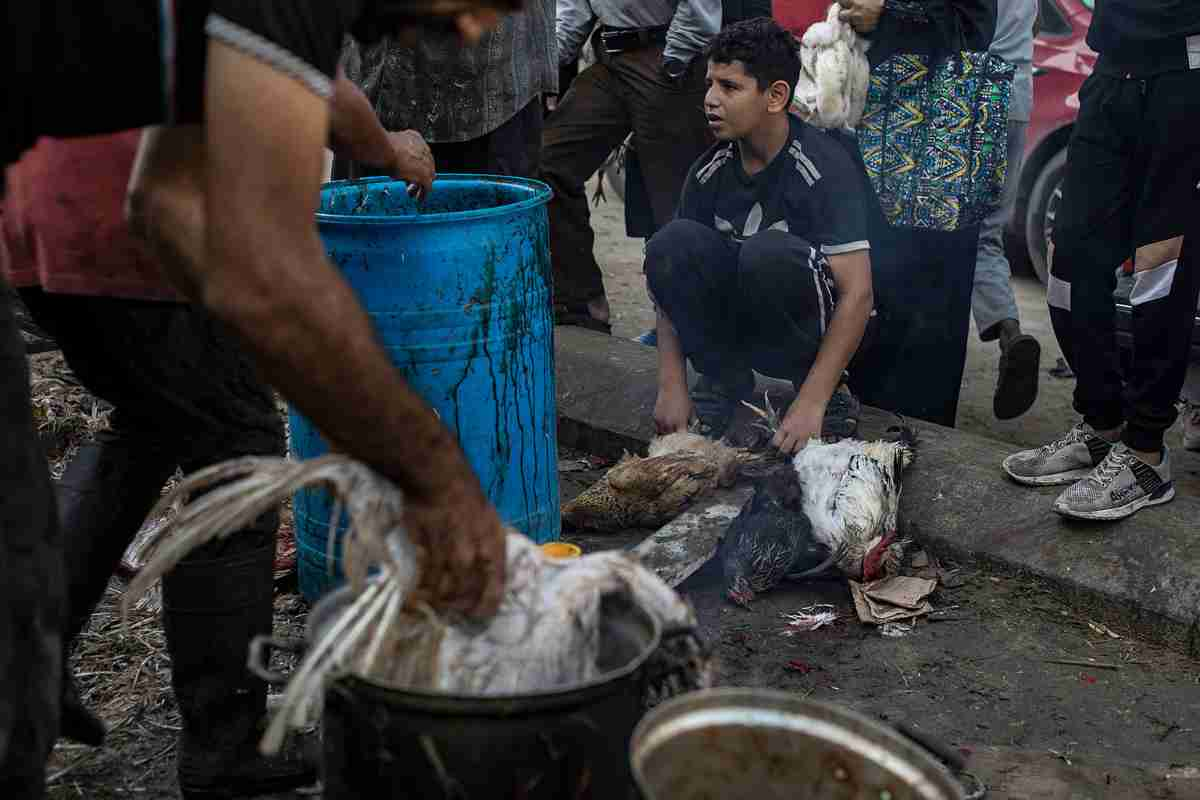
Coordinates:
column 935, row 141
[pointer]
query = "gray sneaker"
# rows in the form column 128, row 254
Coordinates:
column 1121, row 485
column 1191, row 426
column 1064, row 461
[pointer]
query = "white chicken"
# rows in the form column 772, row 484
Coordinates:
column 834, row 77
column 851, row 496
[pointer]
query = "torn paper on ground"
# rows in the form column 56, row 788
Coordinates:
column 892, row 599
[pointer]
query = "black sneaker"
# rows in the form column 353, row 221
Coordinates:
column 715, row 402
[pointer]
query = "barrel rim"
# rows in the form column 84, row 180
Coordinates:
column 542, row 196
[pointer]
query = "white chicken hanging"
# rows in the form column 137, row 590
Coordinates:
column 834, row 74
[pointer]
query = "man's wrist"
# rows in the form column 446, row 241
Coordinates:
column 674, row 68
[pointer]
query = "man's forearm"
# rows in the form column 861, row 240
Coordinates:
column 694, row 25
column 355, row 131
column 325, row 359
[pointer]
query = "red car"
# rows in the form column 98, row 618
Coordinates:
column 1061, row 62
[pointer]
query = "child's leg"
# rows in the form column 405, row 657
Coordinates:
column 691, row 274
column 787, row 300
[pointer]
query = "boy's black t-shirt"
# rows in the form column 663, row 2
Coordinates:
column 811, row 189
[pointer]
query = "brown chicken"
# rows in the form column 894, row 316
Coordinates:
column 649, row 492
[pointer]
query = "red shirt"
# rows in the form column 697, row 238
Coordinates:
column 797, row 15
column 63, row 221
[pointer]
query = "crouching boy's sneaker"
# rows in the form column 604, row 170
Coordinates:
column 1063, row 461
column 1118, row 487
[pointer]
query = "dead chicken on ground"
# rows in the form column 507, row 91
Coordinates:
column 850, row 493
column 649, row 492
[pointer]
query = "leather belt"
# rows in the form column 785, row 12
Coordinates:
column 622, row 40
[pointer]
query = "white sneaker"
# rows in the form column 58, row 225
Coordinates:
column 1063, row 461
column 1118, row 487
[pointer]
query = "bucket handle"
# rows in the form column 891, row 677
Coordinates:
column 258, row 653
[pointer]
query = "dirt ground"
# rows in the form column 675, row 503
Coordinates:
column 976, row 680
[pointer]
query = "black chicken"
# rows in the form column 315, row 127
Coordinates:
column 772, row 539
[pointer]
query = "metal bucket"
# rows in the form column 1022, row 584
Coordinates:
column 770, row 745
column 570, row 742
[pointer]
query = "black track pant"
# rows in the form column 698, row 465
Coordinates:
column 1131, row 180
column 763, row 304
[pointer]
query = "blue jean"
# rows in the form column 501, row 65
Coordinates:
column 992, row 299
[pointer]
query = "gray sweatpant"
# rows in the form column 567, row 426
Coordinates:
column 992, row 298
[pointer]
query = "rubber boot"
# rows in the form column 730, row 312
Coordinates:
column 214, row 603
column 104, row 496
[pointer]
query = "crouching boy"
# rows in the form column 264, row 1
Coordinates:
column 766, row 265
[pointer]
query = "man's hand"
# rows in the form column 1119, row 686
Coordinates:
column 672, row 410
column 464, row 546
column 674, row 70
column 802, row 422
column 863, row 15
column 411, row 161
column 550, row 103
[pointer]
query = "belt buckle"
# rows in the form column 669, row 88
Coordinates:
column 606, row 37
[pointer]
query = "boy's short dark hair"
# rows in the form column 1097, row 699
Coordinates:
column 767, row 50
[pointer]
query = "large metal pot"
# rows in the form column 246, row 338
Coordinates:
column 573, row 742
column 770, row 745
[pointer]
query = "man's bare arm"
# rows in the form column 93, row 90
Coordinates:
column 250, row 253
column 355, row 132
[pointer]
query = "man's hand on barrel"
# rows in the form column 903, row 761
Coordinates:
column 412, row 161
column 464, row 545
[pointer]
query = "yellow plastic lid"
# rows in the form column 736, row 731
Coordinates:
column 561, row 550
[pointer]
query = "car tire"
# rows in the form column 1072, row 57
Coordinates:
column 1044, row 206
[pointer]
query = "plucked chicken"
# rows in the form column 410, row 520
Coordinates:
column 546, row 633
column 834, row 74
column 649, row 492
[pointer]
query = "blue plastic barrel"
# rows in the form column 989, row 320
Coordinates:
column 458, row 287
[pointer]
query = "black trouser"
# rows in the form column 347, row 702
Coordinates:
column 922, row 282
column 1131, row 180
column 763, row 305
column 32, row 593
column 513, row 149
column 176, row 378
column 617, row 95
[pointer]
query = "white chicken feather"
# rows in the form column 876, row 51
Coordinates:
column 851, row 494
column 545, row 635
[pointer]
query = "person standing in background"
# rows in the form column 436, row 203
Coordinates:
column 647, row 79
column 1131, row 188
column 478, row 107
column 992, row 300
column 922, row 278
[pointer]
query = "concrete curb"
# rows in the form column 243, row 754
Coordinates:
column 1141, row 575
